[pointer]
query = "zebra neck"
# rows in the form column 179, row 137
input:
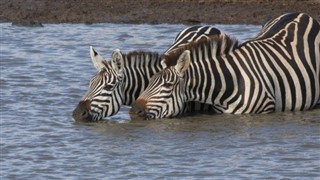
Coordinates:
column 211, row 79
column 139, row 68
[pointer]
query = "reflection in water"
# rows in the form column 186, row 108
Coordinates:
column 44, row 73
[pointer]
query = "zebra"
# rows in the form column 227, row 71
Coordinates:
column 278, row 70
column 121, row 80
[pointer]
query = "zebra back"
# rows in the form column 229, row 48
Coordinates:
column 193, row 34
column 277, row 24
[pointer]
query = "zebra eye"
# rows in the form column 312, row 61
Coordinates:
column 108, row 87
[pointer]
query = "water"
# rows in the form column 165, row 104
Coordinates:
column 45, row 72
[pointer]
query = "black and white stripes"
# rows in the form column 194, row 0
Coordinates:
column 192, row 34
column 276, row 71
column 121, row 80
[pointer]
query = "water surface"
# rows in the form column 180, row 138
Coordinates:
column 45, row 72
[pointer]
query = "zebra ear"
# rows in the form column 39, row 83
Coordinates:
column 163, row 64
column 117, row 61
column 97, row 59
column 183, row 62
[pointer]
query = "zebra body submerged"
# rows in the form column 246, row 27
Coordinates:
column 276, row 71
column 121, row 80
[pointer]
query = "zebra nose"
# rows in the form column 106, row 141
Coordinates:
column 139, row 107
column 81, row 112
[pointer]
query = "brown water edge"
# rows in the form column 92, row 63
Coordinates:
column 126, row 115
column 153, row 11
column 216, row 123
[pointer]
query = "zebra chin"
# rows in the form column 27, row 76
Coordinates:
column 144, row 114
column 147, row 115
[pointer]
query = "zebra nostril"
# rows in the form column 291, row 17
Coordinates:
column 84, row 114
column 140, row 113
column 81, row 113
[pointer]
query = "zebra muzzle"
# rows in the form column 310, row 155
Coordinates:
column 81, row 112
column 139, row 107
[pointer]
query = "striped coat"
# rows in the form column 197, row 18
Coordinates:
column 279, row 70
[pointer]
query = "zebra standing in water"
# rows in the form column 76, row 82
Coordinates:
column 279, row 70
column 121, row 80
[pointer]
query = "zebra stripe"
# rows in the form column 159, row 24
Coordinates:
column 279, row 70
column 192, row 34
column 125, row 76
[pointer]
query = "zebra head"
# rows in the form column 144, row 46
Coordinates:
column 103, row 97
column 165, row 94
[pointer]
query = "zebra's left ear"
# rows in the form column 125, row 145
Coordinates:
column 117, row 61
column 163, row 63
column 183, row 62
column 97, row 59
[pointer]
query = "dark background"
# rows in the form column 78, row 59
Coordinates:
column 153, row 11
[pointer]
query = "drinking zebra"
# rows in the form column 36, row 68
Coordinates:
column 279, row 70
column 121, row 80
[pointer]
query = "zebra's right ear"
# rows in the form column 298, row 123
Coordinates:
column 183, row 62
column 117, row 61
column 97, row 59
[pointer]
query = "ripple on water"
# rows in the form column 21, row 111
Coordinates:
column 46, row 71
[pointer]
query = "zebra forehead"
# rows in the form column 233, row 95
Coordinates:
column 166, row 74
column 107, row 70
column 106, row 74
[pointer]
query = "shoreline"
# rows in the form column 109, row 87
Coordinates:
column 254, row 12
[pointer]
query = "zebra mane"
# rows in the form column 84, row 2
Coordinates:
column 138, row 54
column 224, row 45
column 138, row 58
column 141, row 59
